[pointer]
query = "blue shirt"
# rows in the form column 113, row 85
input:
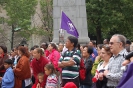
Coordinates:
column 8, row 79
column 94, row 54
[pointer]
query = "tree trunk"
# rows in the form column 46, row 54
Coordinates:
column 98, row 34
column 12, row 37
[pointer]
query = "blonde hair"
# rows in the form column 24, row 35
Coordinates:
column 40, row 51
column 40, row 74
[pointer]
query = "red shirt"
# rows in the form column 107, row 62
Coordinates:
column 47, row 53
column 54, row 57
column 38, row 67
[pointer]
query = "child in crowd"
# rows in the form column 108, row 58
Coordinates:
column 40, row 81
column 52, row 79
column 8, row 78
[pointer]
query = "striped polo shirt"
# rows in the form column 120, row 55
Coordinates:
column 71, row 72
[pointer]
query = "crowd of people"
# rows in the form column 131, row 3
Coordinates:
column 51, row 65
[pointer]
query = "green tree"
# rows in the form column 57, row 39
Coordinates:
column 47, row 11
column 19, row 12
column 107, row 17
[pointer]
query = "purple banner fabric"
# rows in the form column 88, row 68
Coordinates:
column 67, row 25
column 127, row 78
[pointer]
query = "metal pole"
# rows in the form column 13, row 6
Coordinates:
column 61, row 35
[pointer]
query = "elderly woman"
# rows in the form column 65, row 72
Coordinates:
column 87, row 82
column 22, row 70
column 3, row 57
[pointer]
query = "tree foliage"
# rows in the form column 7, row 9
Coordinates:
column 19, row 12
column 47, row 11
column 107, row 17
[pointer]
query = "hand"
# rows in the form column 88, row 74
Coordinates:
column 131, row 59
column 60, row 65
column 63, row 62
column 71, row 58
column 125, row 62
column 105, row 72
column 0, row 78
column 38, row 85
column 100, row 76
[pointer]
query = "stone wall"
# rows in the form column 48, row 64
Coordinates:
column 76, row 11
column 37, row 22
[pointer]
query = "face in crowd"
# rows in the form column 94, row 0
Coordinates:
column 87, row 51
column 60, row 47
column 71, row 42
column 117, row 43
column 37, row 53
column 105, row 53
column 52, row 46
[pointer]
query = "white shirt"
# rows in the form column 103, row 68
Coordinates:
column 101, row 67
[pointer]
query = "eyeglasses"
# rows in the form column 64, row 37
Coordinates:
column 111, row 43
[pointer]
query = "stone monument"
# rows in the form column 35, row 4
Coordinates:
column 76, row 11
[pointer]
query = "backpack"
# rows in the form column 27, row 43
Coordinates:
column 82, row 70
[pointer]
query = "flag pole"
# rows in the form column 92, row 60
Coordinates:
column 60, row 27
column 61, row 32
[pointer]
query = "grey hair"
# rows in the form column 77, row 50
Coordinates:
column 121, row 38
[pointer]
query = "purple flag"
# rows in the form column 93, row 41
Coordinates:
column 127, row 78
column 67, row 25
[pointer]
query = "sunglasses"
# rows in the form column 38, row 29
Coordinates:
column 111, row 43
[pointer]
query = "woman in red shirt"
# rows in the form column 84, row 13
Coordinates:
column 38, row 64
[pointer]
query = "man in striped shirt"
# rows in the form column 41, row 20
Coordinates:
column 69, row 62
